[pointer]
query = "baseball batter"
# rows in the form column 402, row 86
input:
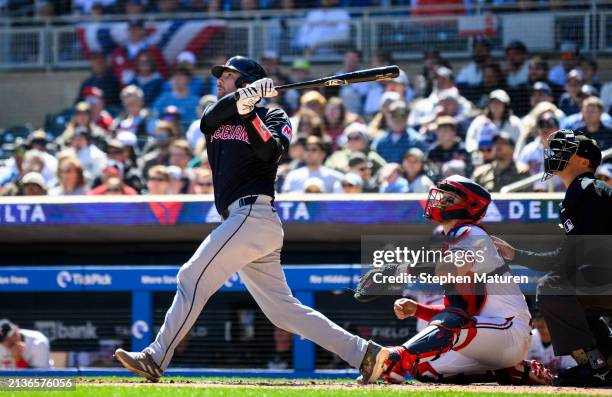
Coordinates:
column 244, row 144
column 482, row 331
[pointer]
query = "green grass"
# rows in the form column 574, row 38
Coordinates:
column 274, row 388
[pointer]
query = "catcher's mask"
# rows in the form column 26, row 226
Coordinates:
column 562, row 145
column 457, row 197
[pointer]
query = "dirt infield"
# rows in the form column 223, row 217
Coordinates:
column 300, row 384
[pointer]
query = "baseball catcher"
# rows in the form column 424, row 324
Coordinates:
column 482, row 331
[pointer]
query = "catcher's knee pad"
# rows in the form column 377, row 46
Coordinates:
column 443, row 333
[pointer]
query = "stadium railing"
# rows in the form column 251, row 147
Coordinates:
column 54, row 43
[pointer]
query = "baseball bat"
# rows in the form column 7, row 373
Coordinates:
column 359, row 76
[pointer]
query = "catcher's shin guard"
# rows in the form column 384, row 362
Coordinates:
column 441, row 335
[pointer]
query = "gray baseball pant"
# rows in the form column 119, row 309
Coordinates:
column 249, row 241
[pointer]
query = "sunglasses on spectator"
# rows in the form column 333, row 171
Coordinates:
column 67, row 170
column 486, row 149
column 354, row 137
column 114, row 151
column 546, row 124
column 158, row 179
column 363, row 169
column 114, row 190
column 346, row 184
column 204, row 183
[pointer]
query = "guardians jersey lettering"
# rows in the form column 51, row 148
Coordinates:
column 227, row 132
column 243, row 152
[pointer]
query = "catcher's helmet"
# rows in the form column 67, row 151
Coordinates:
column 562, row 145
column 249, row 70
column 457, row 197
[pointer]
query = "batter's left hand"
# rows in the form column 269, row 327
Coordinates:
column 265, row 87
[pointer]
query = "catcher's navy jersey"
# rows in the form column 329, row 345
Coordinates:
column 238, row 168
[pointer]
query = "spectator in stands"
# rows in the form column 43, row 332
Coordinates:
column 70, row 178
column 378, row 123
column 168, row 6
column 158, row 180
column 499, row 112
column 375, row 89
column 119, row 154
column 540, row 92
column 123, row 59
column 493, row 79
column 197, row 85
column 325, row 28
column 426, row 110
column 91, row 157
column 448, row 146
column 101, row 77
column 485, row 153
column 359, row 164
column 352, row 183
column 503, row 170
column 413, row 166
column 307, row 121
column 399, row 137
column 391, row 180
column 604, row 173
column 336, row 118
column 569, row 102
column 86, row 6
column 294, row 160
column 81, row 120
column 113, row 170
column 38, row 140
column 165, row 134
column 95, row 98
column 569, row 60
column 33, row 184
column 270, row 61
column 516, row 66
column 180, row 96
column 575, row 121
column 179, row 181
column 530, row 123
column 180, row 154
column 194, row 136
column 353, row 95
column 532, row 154
column 135, row 118
column 134, row 7
column 147, row 78
column 314, row 185
column 592, row 126
column 588, row 67
column 33, row 162
column 300, row 71
column 314, row 157
column 354, row 140
column 113, row 186
column 542, row 349
column 23, row 348
column 202, row 182
column 472, row 74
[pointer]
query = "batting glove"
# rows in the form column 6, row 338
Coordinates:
column 247, row 105
column 265, row 87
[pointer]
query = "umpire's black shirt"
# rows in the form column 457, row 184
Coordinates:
column 243, row 151
column 586, row 210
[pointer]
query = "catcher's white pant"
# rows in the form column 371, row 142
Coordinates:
column 498, row 343
column 249, row 241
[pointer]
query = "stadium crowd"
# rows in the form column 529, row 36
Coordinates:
column 134, row 128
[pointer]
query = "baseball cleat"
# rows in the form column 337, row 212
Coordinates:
column 140, row 363
column 373, row 364
column 583, row 376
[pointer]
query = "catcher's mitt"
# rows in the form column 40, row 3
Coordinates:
column 369, row 290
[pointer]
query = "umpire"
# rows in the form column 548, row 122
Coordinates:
column 574, row 297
